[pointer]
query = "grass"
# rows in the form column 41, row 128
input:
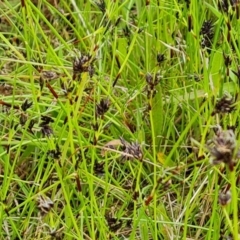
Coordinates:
column 108, row 119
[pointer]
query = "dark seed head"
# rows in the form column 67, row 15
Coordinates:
column 113, row 223
column 224, row 105
column 80, row 64
column 131, row 150
column 56, row 153
column 46, row 130
column 6, row 89
column 222, row 147
column 160, row 57
column 151, row 84
column 99, row 168
column 149, row 78
column 26, row 105
column 30, row 126
column 223, row 5
column 102, row 107
column 224, row 198
column 46, row 120
column 23, row 119
column 207, row 32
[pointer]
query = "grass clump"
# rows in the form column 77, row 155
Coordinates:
column 119, row 119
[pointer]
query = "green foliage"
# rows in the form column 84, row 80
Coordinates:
column 107, row 109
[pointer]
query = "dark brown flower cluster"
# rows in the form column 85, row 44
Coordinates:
column 102, row 107
column 26, row 105
column 224, row 105
column 113, row 223
column 223, row 148
column 45, row 128
column 224, row 198
column 207, row 32
column 224, row 5
column 31, row 125
column 100, row 111
column 151, row 84
column 82, row 64
column 24, row 116
column 160, row 57
column 131, row 150
column 55, row 153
